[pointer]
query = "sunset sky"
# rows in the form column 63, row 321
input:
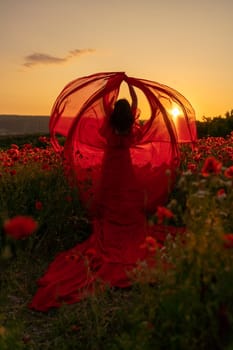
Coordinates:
column 185, row 44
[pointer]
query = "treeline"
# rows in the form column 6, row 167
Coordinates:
column 216, row 126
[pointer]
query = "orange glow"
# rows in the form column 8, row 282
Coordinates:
column 175, row 112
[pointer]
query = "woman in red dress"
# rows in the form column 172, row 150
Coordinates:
column 123, row 172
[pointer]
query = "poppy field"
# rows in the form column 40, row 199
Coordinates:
column 184, row 302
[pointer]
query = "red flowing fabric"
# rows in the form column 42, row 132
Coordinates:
column 121, row 178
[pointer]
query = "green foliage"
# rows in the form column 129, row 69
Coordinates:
column 216, row 126
column 9, row 340
column 190, row 305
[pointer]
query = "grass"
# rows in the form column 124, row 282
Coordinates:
column 90, row 324
column 186, row 306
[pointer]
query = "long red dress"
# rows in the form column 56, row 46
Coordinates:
column 121, row 178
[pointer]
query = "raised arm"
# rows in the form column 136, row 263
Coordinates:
column 133, row 97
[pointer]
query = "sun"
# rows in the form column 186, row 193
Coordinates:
column 175, row 112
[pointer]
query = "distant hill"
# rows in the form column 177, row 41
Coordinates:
column 23, row 125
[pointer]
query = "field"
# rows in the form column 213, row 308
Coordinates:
column 23, row 125
column 184, row 303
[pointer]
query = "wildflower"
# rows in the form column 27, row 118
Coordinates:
column 229, row 172
column 13, row 145
column 211, row 166
column 221, row 193
column 36, row 158
column 163, row 213
column 197, row 157
column 38, row 205
column 192, row 167
column 46, row 166
column 150, row 244
column 20, row 226
column 13, row 153
column 13, row 172
column 43, row 139
column 27, row 146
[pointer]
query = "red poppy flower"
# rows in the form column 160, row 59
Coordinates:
column 221, row 193
column 13, row 172
column 229, row 172
column 197, row 157
column 43, row 139
column 13, row 153
column 13, row 145
column 20, row 226
column 150, row 244
column 211, row 166
column 163, row 213
column 192, row 167
column 38, row 205
column 46, row 166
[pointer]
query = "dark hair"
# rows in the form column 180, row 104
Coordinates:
column 122, row 117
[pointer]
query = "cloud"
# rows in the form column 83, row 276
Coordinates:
column 79, row 52
column 45, row 59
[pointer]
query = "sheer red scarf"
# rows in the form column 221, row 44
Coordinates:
column 82, row 109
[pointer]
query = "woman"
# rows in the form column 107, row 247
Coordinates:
column 129, row 168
